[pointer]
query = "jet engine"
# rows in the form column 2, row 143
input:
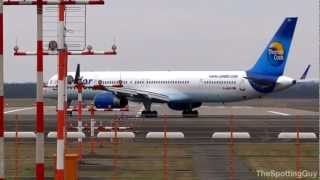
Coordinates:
column 109, row 100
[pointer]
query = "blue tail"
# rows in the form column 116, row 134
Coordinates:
column 273, row 59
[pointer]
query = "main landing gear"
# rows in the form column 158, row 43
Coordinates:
column 190, row 113
column 147, row 113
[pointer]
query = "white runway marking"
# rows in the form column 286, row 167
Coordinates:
column 17, row 110
column 279, row 113
column 241, row 107
column 220, row 107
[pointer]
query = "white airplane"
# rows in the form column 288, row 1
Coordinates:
column 186, row 90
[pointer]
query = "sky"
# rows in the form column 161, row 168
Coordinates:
column 173, row 35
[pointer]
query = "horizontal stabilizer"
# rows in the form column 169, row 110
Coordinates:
column 304, row 75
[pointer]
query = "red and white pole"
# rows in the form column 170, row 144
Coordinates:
column 39, row 101
column 165, row 148
column 1, row 95
column 79, row 87
column 66, row 105
column 92, row 121
column 61, row 95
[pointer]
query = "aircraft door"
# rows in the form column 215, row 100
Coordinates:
column 242, row 85
column 204, row 89
column 145, row 83
column 202, row 83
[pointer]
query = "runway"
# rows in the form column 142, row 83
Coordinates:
column 263, row 124
column 200, row 155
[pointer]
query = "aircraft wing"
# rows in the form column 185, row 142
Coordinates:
column 123, row 91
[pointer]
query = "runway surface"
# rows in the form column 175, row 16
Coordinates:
column 209, row 155
column 263, row 124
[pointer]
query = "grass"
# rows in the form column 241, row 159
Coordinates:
column 279, row 157
column 144, row 161
column 135, row 161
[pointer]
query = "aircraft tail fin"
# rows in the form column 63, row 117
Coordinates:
column 77, row 75
column 274, row 57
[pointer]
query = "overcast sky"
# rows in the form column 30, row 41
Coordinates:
column 174, row 35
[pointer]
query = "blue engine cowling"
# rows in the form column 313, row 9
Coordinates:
column 183, row 105
column 108, row 100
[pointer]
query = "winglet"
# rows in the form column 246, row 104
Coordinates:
column 304, row 75
column 77, row 75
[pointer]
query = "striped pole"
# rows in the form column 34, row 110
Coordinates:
column 231, row 150
column 39, row 102
column 92, row 121
column 79, row 87
column 1, row 96
column 61, row 96
column 165, row 149
column 66, row 105
column 298, row 148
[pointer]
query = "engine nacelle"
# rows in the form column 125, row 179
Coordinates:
column 284, row 82
column 108, row 100
column 182, row 105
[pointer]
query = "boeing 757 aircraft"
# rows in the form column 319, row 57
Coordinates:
column 186, row 90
